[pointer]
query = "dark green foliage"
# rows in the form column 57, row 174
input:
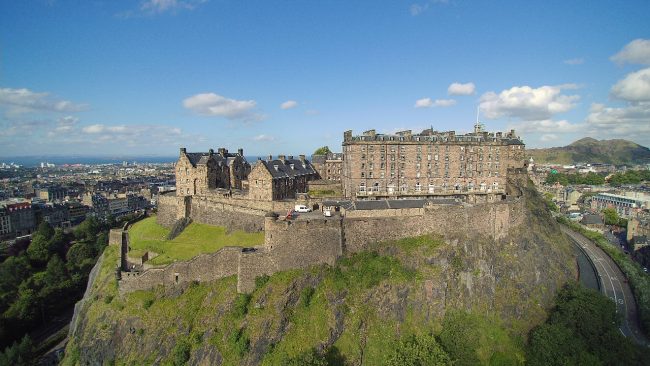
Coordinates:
column 147, row 303
column 87, row 230
column 181, row 352
column 548, row 200
column 418, row 351
column 629, row 177
column 307, row 358
column 583, row 330
column 260, row 281
column 306, row 295
column 19, row 354
column 595, row 179
column 611, row 216
column 460, row 337
column 240, row 342
column 38, row 284
column 240, row 307
column 322, row 150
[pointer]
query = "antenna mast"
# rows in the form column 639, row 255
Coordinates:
column 477, row 126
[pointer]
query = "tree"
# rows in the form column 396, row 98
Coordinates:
column 87, row 230
column 45, row 229
column 81, row 257
column 418, row 351
column 39, row 249
column 12, row 272
column 322, row 150
column 460, row 337
column 611, row 216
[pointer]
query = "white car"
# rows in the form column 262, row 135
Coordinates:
column 302, row 208
column 327, row 213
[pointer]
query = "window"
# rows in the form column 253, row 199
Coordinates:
column 418, row 187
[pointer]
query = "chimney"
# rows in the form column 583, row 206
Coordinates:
column 290, row 157
column 222, row 151
column 302, row 158
column 281, row 158
column 240, row 151
column 269, row 158
column 347, row 135
column 211, row 152
column 183, row 150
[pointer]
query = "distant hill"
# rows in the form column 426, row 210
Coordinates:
column 590, row 150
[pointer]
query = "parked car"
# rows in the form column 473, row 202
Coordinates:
column 302, row 208
column 327, row 213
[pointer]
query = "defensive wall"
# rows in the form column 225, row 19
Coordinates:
column 299, row 243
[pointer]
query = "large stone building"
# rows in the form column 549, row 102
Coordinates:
column 279, row 179
column 430, row 163
column 329, row 166
column 196, row 173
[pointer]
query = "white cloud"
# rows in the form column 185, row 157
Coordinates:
column 575, row 61
column 529, row 104
column 263, row 138
column 635, row 87
column 289, row 104
column 24, row 100
column 161, row 6
column 100, row 128
column 461, row 89
column 423, row 103
column 211, row 104
column 428, row 103
column 545, row 126
column 548, row 137
column 632, row 120
column 417, row 9
column 635, row 52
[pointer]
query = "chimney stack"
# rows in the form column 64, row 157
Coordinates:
column 240, row 151
column 302, row 158
column 281, row 158
column 269, row 158
column 211, row 152
column 183, row 150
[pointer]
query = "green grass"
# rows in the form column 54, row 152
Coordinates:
column 147, row 235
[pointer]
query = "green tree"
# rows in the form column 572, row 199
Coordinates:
column 324, row 150
column 39, row 249
column 45, row 229
column 418, row 351
column 460, row 337
column 87, row 230
column 81, row 257
column 611, row 216
column 12, row 272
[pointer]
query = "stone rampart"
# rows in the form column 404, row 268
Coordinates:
column 170, row 209
column 204, row 267
column 293, row 244
column 115, row 237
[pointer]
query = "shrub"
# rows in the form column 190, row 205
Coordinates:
column 305, row 296
column 181, row 353
column 260, row 281
column 240, row 306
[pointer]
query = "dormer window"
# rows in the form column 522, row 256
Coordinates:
column 275, row 166
column 292, row 166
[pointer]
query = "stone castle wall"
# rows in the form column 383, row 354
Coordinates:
column 204, row 267
column 170, row 209
column 292, row 244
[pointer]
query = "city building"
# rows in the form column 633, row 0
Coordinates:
column 329, row 167
column 625, row 206
column 52, row 193
column 196, row 173
column 430, row 163
column 282, row 178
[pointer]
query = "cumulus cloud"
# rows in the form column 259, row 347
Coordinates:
column 632, row 120
column 528, row 104
column 461, row 89
column 100, row 128
column 635, row 87
column 18, row 101
column 289, row 104
column 155, row 7
column 635, row 52
column 575, row 61
column 546, row 126
column 428, row 103
column 263, row 138
column 211, row 104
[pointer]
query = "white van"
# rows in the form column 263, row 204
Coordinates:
column 302, row 208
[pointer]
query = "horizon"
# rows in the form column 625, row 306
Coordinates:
column 294, row 76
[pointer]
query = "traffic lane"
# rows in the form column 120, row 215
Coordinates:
column 614, row 286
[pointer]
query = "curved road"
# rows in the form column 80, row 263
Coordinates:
column 614, row 286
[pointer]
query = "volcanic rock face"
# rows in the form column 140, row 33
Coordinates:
column 353, row 311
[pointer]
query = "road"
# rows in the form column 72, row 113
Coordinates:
column 614, row 286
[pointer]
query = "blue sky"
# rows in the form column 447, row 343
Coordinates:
column 147, row 77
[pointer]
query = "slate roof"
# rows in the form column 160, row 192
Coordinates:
column 344, row 203
column 395, row 204
column 285, row 169
column 201, row 158
column 591, row 220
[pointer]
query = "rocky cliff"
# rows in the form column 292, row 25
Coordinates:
column 354, row 311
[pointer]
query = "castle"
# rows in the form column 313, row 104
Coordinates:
column 394, row 186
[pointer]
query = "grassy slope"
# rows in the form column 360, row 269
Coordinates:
column 195, row 239
column 593, row 151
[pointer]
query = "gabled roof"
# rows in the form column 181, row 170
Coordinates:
column 592, row 220
column 289, row 168
column 202, row 158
